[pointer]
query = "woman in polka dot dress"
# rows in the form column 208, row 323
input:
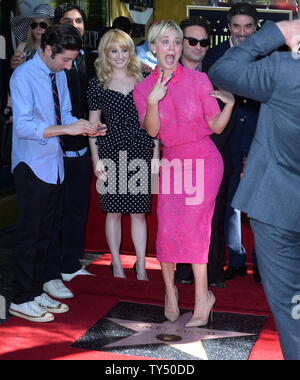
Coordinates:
column 121, row 159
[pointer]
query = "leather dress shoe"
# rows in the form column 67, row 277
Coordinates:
column 257, row 277
column 184, row 274
column 232, row 272
column 217, row 284
column 184, row 281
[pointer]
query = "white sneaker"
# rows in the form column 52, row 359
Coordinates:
column 51, row 305
column 31, row 311
column 57, row 289
column 81, row 272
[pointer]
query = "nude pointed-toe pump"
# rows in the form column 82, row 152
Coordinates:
column 197, row 322
column 172, row 316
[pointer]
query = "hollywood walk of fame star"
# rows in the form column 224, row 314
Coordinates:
column 176, row 335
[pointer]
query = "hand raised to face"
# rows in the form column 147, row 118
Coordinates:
column 160, row 89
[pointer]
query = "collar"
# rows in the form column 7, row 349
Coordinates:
column 198, row 68
column 177, row 73
column 41, row 64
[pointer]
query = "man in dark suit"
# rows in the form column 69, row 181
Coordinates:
column 196, row 42
column 68, row 238
column 269, row 189
column 242, row 22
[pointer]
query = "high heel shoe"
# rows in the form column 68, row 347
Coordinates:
column 197, row 322
column 172, row 316
column 113, row 272
column 138, row 276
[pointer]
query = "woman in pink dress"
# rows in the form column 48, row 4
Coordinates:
column 178, row 106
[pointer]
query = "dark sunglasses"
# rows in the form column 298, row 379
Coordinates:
column 193, row 42
column 43, row 25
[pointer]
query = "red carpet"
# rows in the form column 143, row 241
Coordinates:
column 96, row 296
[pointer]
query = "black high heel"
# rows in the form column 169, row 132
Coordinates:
column 113, row 273
column 136, row 273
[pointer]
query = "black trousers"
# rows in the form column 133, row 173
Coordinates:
column 67, row 243
column 217, row 258
column 37, row 203
column 217, row 244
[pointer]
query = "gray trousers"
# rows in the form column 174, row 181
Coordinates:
column 278, row 255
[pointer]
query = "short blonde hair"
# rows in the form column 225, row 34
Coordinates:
column 102, row 65
column 161, row 27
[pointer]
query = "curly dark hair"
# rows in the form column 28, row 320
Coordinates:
column 61, row 37
column 196, row 21
column 122, row 23
column 64, row 8
column 244, row 9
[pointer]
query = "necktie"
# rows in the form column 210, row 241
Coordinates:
column 55, row 98
column 56, row 105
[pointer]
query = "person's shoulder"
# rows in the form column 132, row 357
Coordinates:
column 96, row 83
column 220, row 47
column 145, row 83
column 217, row 51
column 24, row 70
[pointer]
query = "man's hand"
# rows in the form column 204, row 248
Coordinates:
column 100, row 128
column 17, row 59
column 81, row 127
column 291, row 33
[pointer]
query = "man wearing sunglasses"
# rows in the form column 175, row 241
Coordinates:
column 195, row 43
column 242, row 22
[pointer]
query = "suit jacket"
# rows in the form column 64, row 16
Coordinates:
column 78, row 79
column 270, row 188
column 244, row 118
column 222, row 141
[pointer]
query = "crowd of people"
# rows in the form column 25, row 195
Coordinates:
column 77, row 115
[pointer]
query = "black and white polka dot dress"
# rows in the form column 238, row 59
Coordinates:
column 126, row 151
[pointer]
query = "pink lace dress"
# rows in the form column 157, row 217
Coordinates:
column 192, row 167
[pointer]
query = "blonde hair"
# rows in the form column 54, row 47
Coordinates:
column 162, row 27
column 102, row 65
column 31, row 40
